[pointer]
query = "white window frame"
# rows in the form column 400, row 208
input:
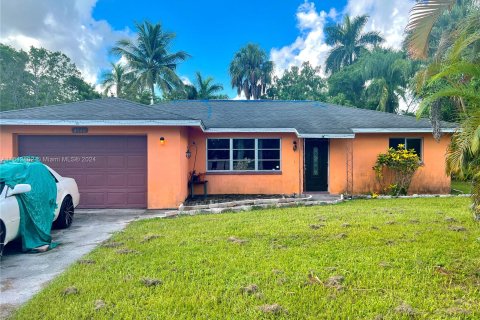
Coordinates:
column 405, row 143
column 231, row 155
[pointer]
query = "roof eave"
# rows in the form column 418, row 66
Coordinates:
column 101, row 123
column 401, row 130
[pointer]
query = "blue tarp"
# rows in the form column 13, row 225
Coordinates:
column 37, row 207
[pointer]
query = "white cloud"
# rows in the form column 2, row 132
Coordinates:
column 310, row 44
column 186, row 80
column 240, row 96
column 387, row 17
column 66, row 26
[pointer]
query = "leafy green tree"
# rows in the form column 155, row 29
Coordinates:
column 303, row 83
column 387, row 73
column 348, row 42
column 346, row 86
column 15, row 80
column 56, row 79
column 40, row 77
column 119, row 78
column 251, row 72
column 149, row 58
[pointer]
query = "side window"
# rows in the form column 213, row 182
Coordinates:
column 409, row 143
column 394, row 142
column 415, row 144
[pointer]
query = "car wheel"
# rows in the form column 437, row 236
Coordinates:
column 3, row 233
column 65, row 216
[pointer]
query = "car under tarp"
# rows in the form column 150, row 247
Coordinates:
column 37, row 207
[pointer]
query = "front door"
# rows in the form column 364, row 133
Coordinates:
column 316, row 165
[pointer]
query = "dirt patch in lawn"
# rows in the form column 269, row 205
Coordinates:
column 151, row 282
column 272, row 308
column 236, row 240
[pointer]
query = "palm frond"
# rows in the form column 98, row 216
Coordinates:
column 422, row 17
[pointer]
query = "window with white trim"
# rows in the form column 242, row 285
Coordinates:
column 409, row 143
column 243, row 154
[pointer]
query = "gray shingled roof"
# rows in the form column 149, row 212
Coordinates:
column 305, row 117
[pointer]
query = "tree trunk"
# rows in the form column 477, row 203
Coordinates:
column 476, row 198
column 152, row 89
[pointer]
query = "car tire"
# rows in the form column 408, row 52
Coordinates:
column 65, row 216
column 3, row 234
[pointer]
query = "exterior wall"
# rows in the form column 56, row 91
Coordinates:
column 167, row 164
column 288, row 181
column 430, row 177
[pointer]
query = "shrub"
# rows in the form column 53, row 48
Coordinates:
column 398, row 167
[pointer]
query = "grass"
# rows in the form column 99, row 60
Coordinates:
column 399, row 258
column 462, row 186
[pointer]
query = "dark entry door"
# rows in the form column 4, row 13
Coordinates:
column 316, row 165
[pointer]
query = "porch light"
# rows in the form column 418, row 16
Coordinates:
column 188, row 154
column 295, row 147
column 162, row 140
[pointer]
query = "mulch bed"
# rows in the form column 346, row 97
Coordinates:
column 219, row 198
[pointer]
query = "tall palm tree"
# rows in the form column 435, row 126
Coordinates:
column 348, row 42
column 457, row 76
column 388, row 73
column 149, row 58
column 205, row 88
column 251, row 72
column 118, row 77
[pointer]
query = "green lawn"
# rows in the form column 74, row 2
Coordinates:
column 398, row 259
column 462, row 186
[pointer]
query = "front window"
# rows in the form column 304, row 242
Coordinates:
column 243, row 154
column 218, row 154
column 409, row 143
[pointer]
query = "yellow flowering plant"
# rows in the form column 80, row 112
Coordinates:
column 398, row 166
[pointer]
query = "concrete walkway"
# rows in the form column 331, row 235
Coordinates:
column 23, row 275
column 323, row 196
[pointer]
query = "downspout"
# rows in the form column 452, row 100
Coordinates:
column 301, row 166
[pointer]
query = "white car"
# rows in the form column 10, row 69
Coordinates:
column 68, row 198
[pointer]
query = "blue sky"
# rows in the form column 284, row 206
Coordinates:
column 291, row 31
column 211, row 31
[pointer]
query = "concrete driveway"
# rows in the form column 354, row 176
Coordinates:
column 23, row 275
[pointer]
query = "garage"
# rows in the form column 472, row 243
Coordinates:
column 111, row 171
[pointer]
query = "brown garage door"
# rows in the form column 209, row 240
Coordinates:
column 111, row 171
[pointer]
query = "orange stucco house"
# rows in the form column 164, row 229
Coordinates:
column 127, row 155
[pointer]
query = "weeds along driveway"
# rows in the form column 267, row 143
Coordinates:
column 23, row 275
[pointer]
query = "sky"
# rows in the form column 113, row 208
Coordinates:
column 290, row 31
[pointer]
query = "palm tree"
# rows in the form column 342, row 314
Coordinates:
column 456, row 77
column 149, row 58
column 348, row 42
column 251, row 72
column 463, row 155
column 388, row 73
column 118, row 77
column 423, row 16
column 205, row 88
